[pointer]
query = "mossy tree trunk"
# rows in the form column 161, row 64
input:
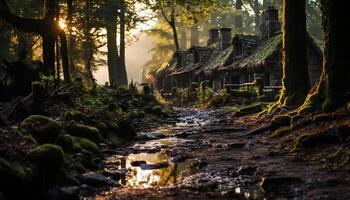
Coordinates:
column 295, row 81
column 333, row 89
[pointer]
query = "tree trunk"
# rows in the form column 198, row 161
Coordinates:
column 173, row 28
column 49, row 54
column 64, row 55
column 122, row 78
column 336, row 62
column 71, row 38
column 112, row 54
column 295, row 81
column 194, row 35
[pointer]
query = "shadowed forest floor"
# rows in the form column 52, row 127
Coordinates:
column 213, row 156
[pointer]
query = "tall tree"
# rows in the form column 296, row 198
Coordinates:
column 122, row 77
column 333, row 89
column 295, row 81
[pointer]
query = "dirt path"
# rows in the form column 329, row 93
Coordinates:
column 206, row 156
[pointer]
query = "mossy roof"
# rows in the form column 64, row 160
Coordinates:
column 265, row 49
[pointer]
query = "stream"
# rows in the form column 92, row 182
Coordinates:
column 205, row 156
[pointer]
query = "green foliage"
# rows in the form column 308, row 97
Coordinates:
column 81, row 130
column 43, row 129
column 48, row 157
column 89, row 145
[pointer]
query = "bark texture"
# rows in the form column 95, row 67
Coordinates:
column 295, row 81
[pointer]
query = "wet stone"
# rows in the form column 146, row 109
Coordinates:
column 179, row 158
column 154, row 166
column 137, row 163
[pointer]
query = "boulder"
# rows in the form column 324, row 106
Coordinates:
column 89, row 145
column 66, row 142
column 48, row 158
column 43, row 129
column 81, row 130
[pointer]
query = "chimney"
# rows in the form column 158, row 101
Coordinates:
column 225, row 38
column 213, row 36
column 270, row 24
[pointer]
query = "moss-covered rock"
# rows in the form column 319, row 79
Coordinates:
column 280, row 120
column 126, row 130
column 249, row 110
column 48, row 158
column 43, row 129
column 81, row 130
column 76, row 147
column 14, row 180
column 66, row 142
column 88, row 145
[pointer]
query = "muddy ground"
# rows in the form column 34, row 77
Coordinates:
column 206, row 155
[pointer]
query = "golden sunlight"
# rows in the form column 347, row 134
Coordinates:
column 62, row 24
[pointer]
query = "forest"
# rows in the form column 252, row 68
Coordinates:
column 239, row 99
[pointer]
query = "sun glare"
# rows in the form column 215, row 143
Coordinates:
column 62, row 24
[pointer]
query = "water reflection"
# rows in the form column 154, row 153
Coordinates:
column 144, row 178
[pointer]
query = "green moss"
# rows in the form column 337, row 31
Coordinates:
column 76, row 147
column 43, row 129
column 89, row 145
column 48, row 157
column 66, row 142
column 348, row 106
column 74, row 115
column 280, row 120
column 81, row 130
column 266, row 49
column 282, row 131
column 30, row 139
column 254, row 108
